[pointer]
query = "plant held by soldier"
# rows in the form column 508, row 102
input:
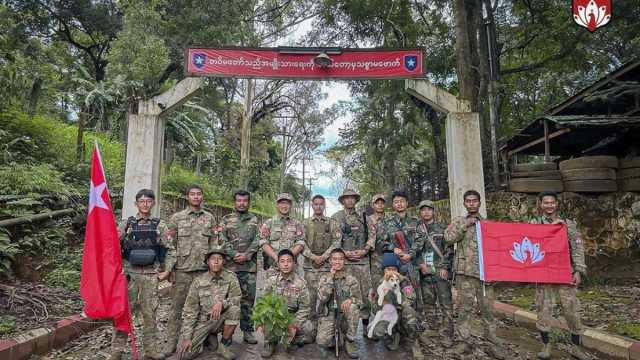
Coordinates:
column 271, row 313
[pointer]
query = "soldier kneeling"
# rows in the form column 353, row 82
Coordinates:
column 407, row 325
column 339, row 302
column 212, row 307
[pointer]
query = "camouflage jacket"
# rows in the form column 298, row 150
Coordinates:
column 576, row 244
column 281, row 232
column 205, row 291
column 354, row 232
column 346, row 286
column 239, row 234
column 407, row 225
column 322, row 234
column 466, row 256
column 164, row 239
column 424, row 251
column 376, row 234
column 191, row 231
column 408, row 295
column 295, row 291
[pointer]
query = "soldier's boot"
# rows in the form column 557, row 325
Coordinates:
column 267, row 350
column 212, row 342
column 249, row 338
column 575, row 350
column 416, row 350
column 115, row 355
column 325, row 352
column 351, row 349
column 545, row 352
column 224, row 351
column 394, row 344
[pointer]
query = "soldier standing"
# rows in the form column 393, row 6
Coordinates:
column 212, row 307
column 145, row 246
column 338, row 292
column 375, row 222
column 322, row 236
column 191, row 229
column 355, row 244
column 434, row 263
column 281, row 231
column 546, row 293
column 462, row 231
column 239, row 235
column 285, row 282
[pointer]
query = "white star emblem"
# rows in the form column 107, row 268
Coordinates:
column 95, row 197
column 199, row 60
column 411, row 62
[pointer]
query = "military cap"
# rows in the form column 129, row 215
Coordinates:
column 377, row 197
column 284, row 196
column 285, row 252
column 349, row 192
column 390, row 259
column 216, row 249
column 427, row 203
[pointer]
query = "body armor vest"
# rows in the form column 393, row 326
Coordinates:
column 322, row 237
column 141, row 247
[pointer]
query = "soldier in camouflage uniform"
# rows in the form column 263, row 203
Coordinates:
column 239, row 234
column 338, row 291
column 143, row 279
column 212, row 307
column 546, row 293
column 462, row 231
column 407, row 326
column 281, row 231
column 285, row 282
column 356, row 246
column 322, row 236
column 376, row 236
column 191, row 231
column 434, row 263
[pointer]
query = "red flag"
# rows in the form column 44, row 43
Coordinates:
column 103, row 286
column 529, row 253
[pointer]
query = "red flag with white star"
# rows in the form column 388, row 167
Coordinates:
column 103, row 286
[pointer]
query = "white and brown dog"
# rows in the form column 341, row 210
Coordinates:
column 388, row 312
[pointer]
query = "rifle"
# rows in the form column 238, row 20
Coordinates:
column 336, row 325
column 411, row 273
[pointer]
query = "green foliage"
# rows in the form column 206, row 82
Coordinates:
column 8, row 252
column 524, row 298
column 65, row 263
column 625, row 328
column 28, row 179
column 558, row 336
column 7, row 324
column 271, row 313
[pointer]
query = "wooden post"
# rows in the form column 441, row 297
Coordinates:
column 547, row 148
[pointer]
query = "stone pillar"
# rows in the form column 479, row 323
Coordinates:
column 145, row 142
column 464, row 159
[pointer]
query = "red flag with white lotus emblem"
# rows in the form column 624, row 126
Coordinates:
column 592, row 14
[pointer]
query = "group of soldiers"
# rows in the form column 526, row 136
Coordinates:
column 327, row 269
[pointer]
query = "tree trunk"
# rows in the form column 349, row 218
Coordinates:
column 464, row 60
column 439, row 183
column 245, row 135
column 82, row 121
column 34, row 96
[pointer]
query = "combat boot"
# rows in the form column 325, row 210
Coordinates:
column 545, row 352
column 351, row 349
column 212, row 342
column 575, row 350
column 224, row 352
column 115, row 355
column 325, row 352
column 249, row 338
column 394, row 344
column 416, row 350
column 267, row 350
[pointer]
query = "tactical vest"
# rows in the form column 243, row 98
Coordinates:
column 354, row 234
column 140, row 246
column 321, row 237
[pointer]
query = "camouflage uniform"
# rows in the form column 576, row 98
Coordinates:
column 205, row 291
column 191, row 231
column 407, row 224
column 295, row 291
column 322, row 235
column 407, row 325
column 346, row 287
column 376, row 242
column 239, row 234
column 354, row 238
column 468, row 283
column 143, row 287
column 547, row 293
column 435, row 290
column 281, row 232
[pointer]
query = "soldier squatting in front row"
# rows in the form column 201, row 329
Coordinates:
column 333, row 289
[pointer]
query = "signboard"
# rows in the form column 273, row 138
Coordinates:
column 272, row 63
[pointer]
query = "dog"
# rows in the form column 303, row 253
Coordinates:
column 388, row 311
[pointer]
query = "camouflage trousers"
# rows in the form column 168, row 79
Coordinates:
column 248, row 286
column 312, row 277
column 362, row 273
column 303, row 334
column 469, row 290
column 348, row 325
column 407, row 325
column 545, row 299
column 376, row 268
column 229, row 317
column 438, row 305
column 143, row 301
column 179, row 292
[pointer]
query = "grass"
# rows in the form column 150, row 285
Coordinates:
column 525, row 298
column 625, row 328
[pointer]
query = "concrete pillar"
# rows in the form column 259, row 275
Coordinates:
column 464, row 159
column 145, row 142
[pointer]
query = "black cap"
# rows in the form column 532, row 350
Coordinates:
column 285, row 252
